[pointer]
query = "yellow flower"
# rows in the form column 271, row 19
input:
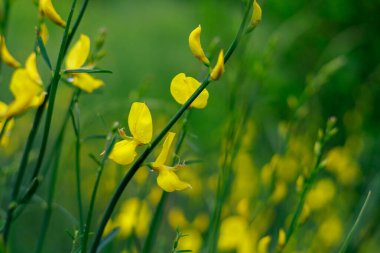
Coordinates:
column 167, row 179
column 141, row 127
column 47, row 9
column 263, row 244
column 182, row 87
column 76, row 58
column 256, row 15
column 4, row 140
column 6, row 57
column 195, row 45
column 44, row 33
column 26, row 87
column 218, row 70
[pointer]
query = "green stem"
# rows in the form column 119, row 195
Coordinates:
column 76, row 125
column 4, row 26
column 3, row 129
column 58, row 144
column 157, row 217
column 50, row 97
column 127, row 178
column 344, row 246
column 109, row 145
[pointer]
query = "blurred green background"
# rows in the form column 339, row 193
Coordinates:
column 332, row 46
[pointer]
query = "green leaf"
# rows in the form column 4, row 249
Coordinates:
column 72, row 71
column 108, row 238
column 43, row 50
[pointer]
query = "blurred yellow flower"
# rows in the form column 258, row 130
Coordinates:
column 6, row 57
column 135, row 216
column 76, row 58
column 331, row 231
column 232, row 230
column 167, row 179
column 256, row 15
column 47, row 9
column 4, row 140
column 340, row 162
column 218, row 70
column 182, row 87
column 141, row 127
column 26, row 87
column 263, row 244
column 193, row 240
column 195, row 45
column 321, row 195
column 177, row 218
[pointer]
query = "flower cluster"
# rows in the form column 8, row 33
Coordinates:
column 141, row 127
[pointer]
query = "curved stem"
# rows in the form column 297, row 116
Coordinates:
column 74, row 112
column 127, row 178
column 157, row 217
column 110, row 143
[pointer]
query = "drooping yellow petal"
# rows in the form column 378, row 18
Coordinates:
column 4, row 140
column 31, row 68
column 263, row 244
column 140, row 122
column 218, row 70
column 86, row 82
column 182, row 87
column 47, row 9
column 169, row 181
column 256, row 15
column 124, row 152
column 78, row 53
column 195, row 45
column 6, row 57
column 23, row 85
column 161, row 159
column 18, row 106
column 44, row 33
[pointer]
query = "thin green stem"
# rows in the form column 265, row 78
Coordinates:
column 74, row 112
column 50, row 98
column 344, row 246
column 127, row 178
column 111, row 138
column 157, row 217
column 51, row 191
column 4, row 127
column 4, row 26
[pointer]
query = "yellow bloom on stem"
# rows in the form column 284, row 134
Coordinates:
column 47, row 9
column 182, row 87
column 195, row 45
column 141, row 127
column 167, row 179
column 76, row 58
column 256, row 15
column 6, row 57
column 4, row 139
column 26, row 87
column 218, row 70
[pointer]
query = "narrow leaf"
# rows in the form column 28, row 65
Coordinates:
column 72, row 71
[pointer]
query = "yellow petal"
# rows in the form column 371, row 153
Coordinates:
column 47, row 9
column 218, row 70
column 78, row 53
column 18, row 106
column 195, row 45
column 31, row 68
column 256, row 15
column 124, row 152
column 169, row 181
column 6, row 56
column 263, row 244
column 140, row 122
column 86, row 82
column 182, row 87
column 161, row 159
column 4, row 140
column 27, row 93
column 44, row 33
